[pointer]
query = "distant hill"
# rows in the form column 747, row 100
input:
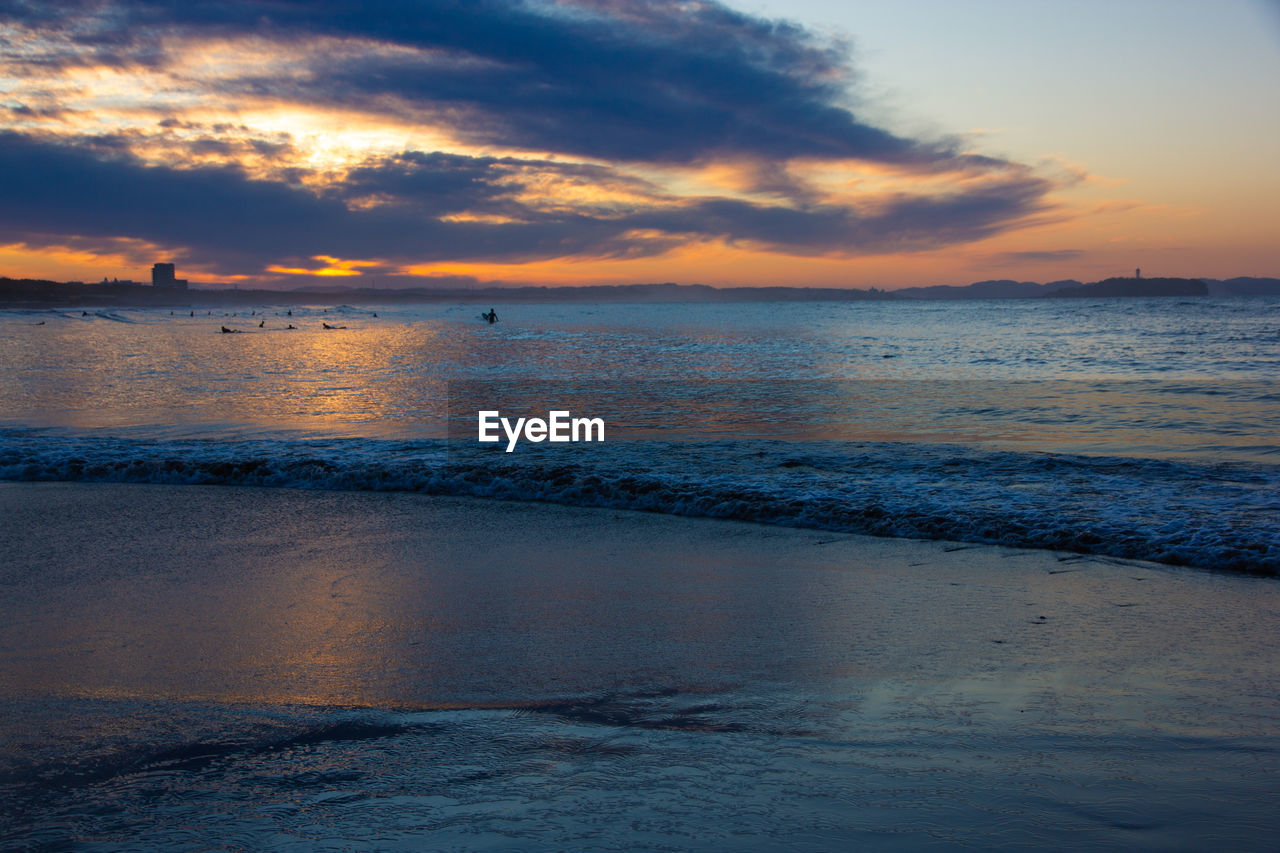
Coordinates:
column 1138, row 287
column 1244, row 286
column 996, row 289
column 1009, row 289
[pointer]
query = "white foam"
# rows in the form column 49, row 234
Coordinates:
column 1215, row 516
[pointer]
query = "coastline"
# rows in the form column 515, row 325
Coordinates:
column 28, row 294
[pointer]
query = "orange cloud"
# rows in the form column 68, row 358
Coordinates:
column 332, row 267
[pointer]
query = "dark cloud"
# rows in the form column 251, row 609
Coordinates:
column 23, row 111
column 663, row 82
column 650, row 80
column 436, row 184
column 439, row 184
column 239, row 224
column 899, row 223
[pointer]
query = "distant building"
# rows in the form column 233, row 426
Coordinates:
column 162, row 275
column 1137, row 273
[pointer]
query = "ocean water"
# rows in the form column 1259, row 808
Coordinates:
column 1141, row 428
column 277, row 695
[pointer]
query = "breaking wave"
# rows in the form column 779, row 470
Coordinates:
column 1214, row 516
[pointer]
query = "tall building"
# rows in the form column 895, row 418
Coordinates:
column 162, row 275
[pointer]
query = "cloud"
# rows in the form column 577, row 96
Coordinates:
column 1020, row 258
column 650, row 80
column 229, row 220
column 898, row 222
column 601, row 109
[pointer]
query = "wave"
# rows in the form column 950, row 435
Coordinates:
column 1214, row 516
column 116, row 317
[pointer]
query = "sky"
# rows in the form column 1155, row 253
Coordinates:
column 288, row 143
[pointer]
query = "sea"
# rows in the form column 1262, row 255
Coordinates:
column 1139, row 433
column 1136, row 428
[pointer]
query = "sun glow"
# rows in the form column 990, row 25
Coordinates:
column 333, row 267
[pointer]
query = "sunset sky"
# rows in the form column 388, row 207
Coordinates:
column 288, row 144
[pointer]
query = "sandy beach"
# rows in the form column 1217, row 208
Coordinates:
column 970, row 693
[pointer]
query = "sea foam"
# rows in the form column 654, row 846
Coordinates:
column 1208, row 515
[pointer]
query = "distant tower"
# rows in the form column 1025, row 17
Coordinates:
column 1137, row 273
column 162, row 275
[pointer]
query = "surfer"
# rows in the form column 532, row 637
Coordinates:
column 491, row 317
column 263, row 323
column 327, row 326
column 227, row 331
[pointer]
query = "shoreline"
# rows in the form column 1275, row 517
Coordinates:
column 397, row 671
column 1207, row 514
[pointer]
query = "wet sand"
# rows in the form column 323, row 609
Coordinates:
column 266, row 597
column 339, row 598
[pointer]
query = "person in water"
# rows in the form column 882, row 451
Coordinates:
column 491, row 317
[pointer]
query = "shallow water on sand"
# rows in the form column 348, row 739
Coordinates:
column 284, row 669
column 683, row 771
